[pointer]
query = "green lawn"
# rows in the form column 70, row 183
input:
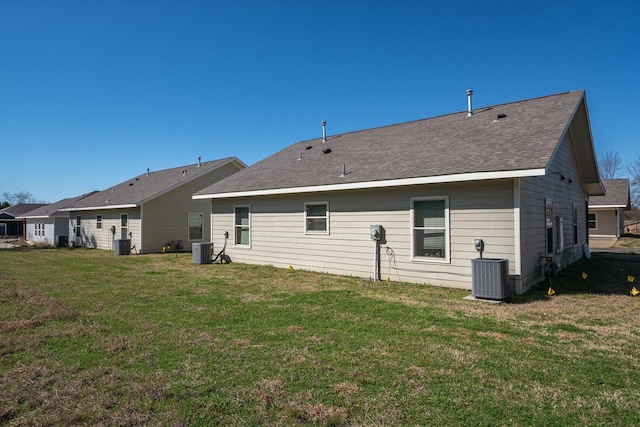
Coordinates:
column 90, row 338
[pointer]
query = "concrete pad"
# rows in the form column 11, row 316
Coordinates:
column 490, row 301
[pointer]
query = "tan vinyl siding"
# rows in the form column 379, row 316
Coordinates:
column 607, row 223
column 165, row 218
column 102, row 238
column 564, row 195
column 476, row 210
column 156, row 222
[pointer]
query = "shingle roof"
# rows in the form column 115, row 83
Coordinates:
column 19, row 209
column 524, row 139
column 618, row 194
column 143, row 188
column 52, row 209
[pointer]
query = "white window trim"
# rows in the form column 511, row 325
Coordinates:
column 235, row 226
column 189, row 226
column 99, row 221
column 316, row 232
column 447, row 231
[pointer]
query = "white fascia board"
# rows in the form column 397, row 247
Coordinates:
column 606, row 206
column 100, row 208
column 462, row 177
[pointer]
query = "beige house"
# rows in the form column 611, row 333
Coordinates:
column 517, row 176
column 606, row 213
column 153, row 210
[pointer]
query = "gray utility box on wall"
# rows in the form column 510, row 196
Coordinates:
column 201, row 252
column 490, row 278
column 122, row 246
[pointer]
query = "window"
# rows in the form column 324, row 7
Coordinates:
column 242, row 225
column 430, row 219
column 549, row 224
column 124, row 226
column 316, row 218
column 592, row 221
column 78, row 226
column 196, row 226
column 575, row 224
column 99, row 222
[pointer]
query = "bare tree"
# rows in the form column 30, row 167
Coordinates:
column 19, row 197
column 610, row 165
column 634, row 173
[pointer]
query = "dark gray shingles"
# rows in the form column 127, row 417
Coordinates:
column 53, row 208
column 617, row 194
column 451, row 144
column 145, row 187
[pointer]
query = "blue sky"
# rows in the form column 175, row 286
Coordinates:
column 94, row 92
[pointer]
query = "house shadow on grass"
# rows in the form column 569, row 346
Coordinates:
column 606, row 273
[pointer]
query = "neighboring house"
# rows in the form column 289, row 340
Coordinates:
column 518, row 176
column 10, row 224
column 48, row 224
column 606, row 213
column 154, row 210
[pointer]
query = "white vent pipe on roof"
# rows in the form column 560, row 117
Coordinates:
column 199, row 162
column 147, row 171
column 469, row 107
column 324, row 131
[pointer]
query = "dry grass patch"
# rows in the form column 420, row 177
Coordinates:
column 318, row 413
column 347, row 389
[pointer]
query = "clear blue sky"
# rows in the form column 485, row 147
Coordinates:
column 94, row 92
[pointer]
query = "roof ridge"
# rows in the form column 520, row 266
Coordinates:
column 485, row 108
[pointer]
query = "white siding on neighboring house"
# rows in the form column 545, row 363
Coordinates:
column 45, row 230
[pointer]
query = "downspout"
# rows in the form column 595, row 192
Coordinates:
column 141, row 227
column 517, row 237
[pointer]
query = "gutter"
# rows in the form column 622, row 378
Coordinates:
column 463, row 177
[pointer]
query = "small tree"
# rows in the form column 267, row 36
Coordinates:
column 610, row 165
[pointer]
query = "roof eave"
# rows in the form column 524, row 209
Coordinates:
column 104, row 207
column 463, row 177
column 607, row 206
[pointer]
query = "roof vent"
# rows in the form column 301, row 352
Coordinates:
column 130, row 184
column 326, row 150
column 184, row 172
column 324, row 131
column 299, row 156
column 199, row 162
column 469, row 107
column 147, row 171
column 502, row 116
column 344, row 171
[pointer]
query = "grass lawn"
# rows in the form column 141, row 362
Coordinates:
column 90, row 338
